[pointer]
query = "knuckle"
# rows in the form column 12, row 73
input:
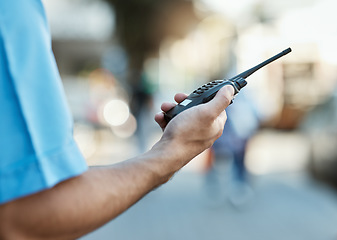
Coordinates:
column 220, row 128
column 225, row 115
column 226, row 99
column 219, row 133
column 227, row 94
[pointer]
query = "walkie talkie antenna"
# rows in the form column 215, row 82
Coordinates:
column 206, row 92
column 249, row 72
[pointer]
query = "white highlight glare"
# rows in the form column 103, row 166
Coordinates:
column 116, row 112
column 185, row 102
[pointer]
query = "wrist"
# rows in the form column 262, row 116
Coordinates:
column 173, row 152
column 164, row 160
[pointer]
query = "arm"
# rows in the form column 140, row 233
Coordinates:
column 84, row 203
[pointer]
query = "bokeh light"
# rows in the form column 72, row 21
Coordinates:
column 115, row 112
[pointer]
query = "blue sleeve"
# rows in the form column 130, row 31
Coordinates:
column 37, row 146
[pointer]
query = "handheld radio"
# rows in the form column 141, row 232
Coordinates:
column 206, row 92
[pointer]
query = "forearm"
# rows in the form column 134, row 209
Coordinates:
column 81, row 204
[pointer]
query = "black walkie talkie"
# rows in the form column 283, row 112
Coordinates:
column 207, row 91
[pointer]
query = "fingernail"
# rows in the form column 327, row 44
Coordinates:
column 230, row 89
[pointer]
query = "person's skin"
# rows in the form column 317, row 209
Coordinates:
column 81, row 204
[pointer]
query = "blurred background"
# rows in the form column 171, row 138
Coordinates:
column 273, row 173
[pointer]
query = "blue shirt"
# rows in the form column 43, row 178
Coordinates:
column 37, row 149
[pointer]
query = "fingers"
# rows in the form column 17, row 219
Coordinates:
column 159, row 118
column 179, row 97
column 221, row 100
column 167, row 106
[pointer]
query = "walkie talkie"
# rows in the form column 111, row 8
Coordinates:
column 206, row 92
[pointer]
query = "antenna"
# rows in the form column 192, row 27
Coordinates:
column 249, row 72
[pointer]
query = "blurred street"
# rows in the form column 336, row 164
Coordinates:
column 281, row 207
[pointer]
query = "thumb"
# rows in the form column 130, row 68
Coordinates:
column 221, row 100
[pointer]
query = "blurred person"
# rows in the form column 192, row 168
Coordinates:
column 46, row 188
column 242, row 123
column 142, row 103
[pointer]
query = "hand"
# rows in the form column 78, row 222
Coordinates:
column 165, row 107
column 195, row 129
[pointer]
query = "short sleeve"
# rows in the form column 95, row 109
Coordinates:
column 37, row 149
